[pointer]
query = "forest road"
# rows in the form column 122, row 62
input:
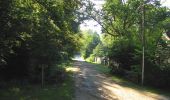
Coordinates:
column 93, row 85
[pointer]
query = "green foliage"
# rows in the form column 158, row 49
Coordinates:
column 36, row 32
column 64, row 91
column 122, row 52
column 123, row 21
column 91, row 58
column 100, row 50
column 89, row 41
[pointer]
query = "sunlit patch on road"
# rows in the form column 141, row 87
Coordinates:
column 72, row 69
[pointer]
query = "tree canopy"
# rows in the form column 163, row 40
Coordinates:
column 127, row 27
column 36, row 32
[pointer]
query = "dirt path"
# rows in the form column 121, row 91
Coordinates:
column 92, row 85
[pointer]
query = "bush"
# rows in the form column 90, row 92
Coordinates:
column 122, row 52
column 56, row 75
column 91, row 58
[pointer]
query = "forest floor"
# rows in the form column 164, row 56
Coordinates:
column 55, row 91
column 93, row 84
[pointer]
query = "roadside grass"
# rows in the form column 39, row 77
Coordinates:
column 63, row 91
column 125, row 83
column 102, row 68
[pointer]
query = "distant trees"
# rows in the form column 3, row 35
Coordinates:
column 36, row 32
column 90, row 40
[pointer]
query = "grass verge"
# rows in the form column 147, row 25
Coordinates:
column 63, row 91
column 125, row 83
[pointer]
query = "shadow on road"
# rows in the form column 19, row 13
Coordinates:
column 93, row 85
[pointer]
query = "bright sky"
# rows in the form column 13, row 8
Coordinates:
column 90, row 24
column 165, row 3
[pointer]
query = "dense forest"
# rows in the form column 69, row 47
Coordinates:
column 36, row 33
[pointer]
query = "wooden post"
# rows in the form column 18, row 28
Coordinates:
column 42, row 76
column 108, row 62
column 143, row 40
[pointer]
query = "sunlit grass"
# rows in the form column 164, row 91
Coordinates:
column 125, row 83
column 101, row 68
